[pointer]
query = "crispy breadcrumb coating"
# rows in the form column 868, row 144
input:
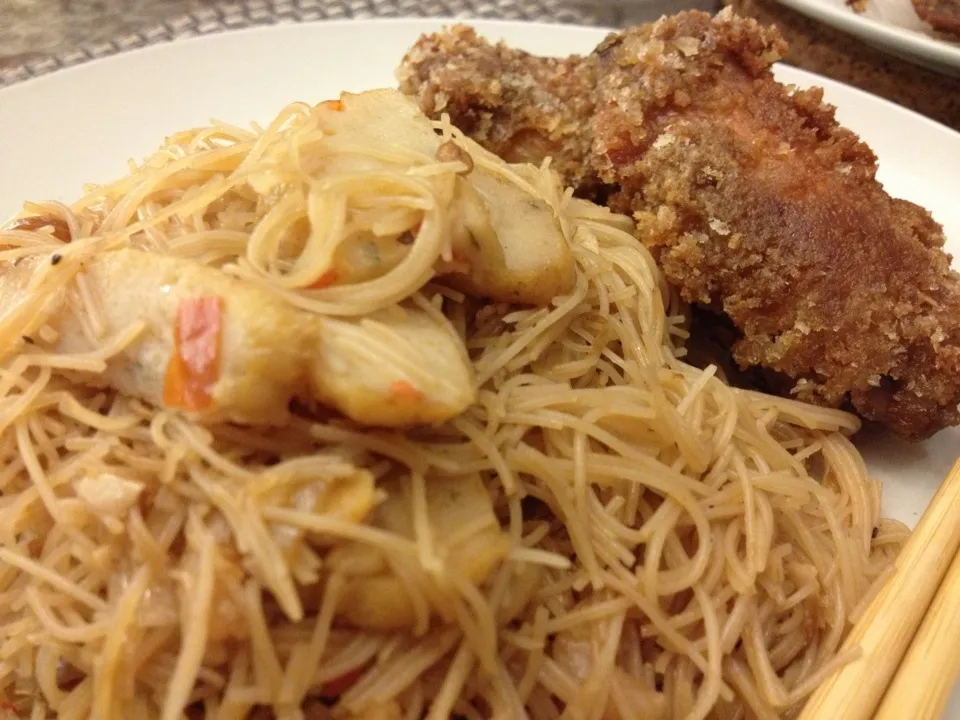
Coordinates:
column 755, row 201
column 524, row 108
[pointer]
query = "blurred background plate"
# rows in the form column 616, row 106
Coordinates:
column 890, row 25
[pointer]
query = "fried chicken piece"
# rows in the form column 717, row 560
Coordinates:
column 943, row 15
column 521, row 107
column 755, row 201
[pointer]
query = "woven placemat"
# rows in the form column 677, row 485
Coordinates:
column 252, row 13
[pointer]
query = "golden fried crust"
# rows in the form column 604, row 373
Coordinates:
column 757, row 203
column 521, row 107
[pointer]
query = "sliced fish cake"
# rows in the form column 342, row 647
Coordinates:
column 224, row 349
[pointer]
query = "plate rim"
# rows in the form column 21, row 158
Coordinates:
column 930, row 52
column 799, row 75
column 286, row 26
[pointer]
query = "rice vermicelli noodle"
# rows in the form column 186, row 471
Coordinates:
column 602, row 531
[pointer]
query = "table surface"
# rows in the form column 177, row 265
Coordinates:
column 38, row 36
column 35, row 28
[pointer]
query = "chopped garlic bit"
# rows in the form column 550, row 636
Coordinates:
column 664, row 140
column 589, row 242
column 687, row 45
column 719, row 227
column 109, row 495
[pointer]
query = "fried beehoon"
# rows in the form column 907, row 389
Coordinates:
column 756, row 203
column 601, row 531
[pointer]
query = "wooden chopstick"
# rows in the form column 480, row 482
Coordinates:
column 928, row 672
column 891, row 620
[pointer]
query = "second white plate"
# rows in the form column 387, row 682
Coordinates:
column 889, row 25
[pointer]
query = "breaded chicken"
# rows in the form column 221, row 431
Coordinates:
column 757, row 204
column 520, row 107
column 223, row 349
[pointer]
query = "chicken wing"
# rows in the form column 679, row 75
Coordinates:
column 521, row 107
column 757, row 204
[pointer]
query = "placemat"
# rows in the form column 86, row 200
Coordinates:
column 251, row 13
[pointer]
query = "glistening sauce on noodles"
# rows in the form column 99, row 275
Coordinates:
column 603, row 531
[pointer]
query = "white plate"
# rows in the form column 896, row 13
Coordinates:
column 890, row 25
column 80, row 125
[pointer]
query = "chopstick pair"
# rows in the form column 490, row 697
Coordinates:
column 910, row 634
